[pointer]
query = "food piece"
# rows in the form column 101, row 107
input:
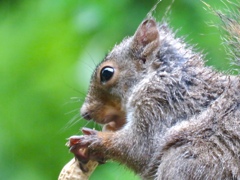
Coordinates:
column 72, row 171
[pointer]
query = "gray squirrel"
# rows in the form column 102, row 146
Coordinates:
column 166, row 115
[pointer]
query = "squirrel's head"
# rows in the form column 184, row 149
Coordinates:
column 118, row 73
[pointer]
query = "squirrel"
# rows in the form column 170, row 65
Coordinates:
column 165, row 114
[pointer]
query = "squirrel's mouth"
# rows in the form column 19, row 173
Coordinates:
column 110, row 117
column 114, row 125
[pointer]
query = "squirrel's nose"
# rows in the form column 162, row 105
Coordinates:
column 85, row 113
column 86, row 116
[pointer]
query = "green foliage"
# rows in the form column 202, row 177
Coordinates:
column 48, row 50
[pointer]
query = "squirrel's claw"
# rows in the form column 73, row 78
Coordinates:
column 88, row 131
column 81, row 147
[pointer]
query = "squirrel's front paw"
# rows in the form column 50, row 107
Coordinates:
column 85, row 147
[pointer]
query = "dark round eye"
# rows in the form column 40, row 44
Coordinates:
column 106, row 74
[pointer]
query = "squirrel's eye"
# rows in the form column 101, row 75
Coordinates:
column 106, row 74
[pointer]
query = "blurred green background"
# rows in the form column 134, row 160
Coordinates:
column 48, row 50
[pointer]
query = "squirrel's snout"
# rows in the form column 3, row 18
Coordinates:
column 85, row 113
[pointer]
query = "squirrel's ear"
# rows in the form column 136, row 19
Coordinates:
column 146, row 38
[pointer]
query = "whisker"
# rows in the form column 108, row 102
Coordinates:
column 73, row 111
column 88, row 66
column 75, row 120
column 76, row 99
column 92, row 59
column 86, row 123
